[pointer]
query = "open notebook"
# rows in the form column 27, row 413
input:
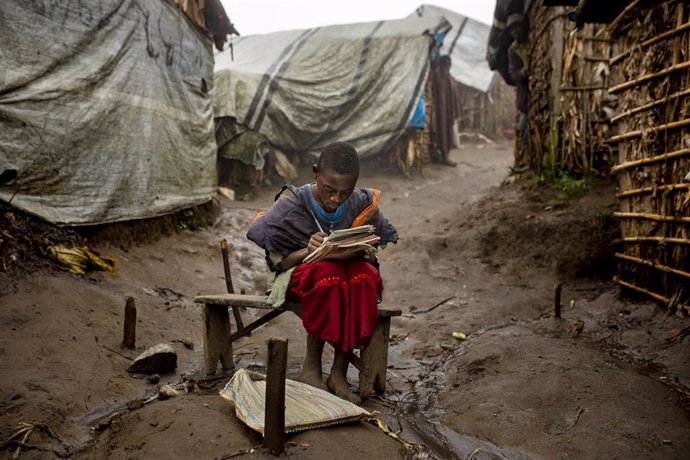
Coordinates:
column 346, row 242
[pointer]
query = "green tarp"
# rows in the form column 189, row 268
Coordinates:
column 303, row 89
column 105, row 109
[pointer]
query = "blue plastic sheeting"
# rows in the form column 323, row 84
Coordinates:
column 419, row 117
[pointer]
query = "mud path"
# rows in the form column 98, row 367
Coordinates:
column 473, row 258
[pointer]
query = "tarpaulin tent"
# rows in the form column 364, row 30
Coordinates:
column 105, row 111
column 466, row 45
column 303, row 89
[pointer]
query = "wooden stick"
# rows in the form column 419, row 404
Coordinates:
column 649, row 263
column 649, row 105
column 650, row 216
column 621, row 16
column 651, row 294
column 117, row 353
column 649, row 160
column 597, row 39
column 582, row 88
column 651, row 76
column 640, row 132
column 651, row 41
column 226, row 266
column 130, row 328
column 655, row 239
column 228, row 284
column 436, row 305
column 557, row 300
column 274, row 422
column 660, row 188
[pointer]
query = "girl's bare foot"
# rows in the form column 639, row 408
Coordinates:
column 342, row 390
column 311, row 369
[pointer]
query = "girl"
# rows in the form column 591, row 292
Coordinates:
column 338, row 295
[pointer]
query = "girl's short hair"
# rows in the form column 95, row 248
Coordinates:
column 339, row 157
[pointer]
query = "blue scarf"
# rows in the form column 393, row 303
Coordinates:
column 329, row 218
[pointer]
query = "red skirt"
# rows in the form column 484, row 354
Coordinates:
column 338, row 300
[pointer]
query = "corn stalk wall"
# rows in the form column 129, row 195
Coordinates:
column 569, row 109
column 651, row 73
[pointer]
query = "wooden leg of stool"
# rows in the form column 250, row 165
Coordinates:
column 216, row 333
column 375, row 360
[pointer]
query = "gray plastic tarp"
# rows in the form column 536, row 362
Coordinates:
column 105, row 109
column 303, row 89
column 466, row 44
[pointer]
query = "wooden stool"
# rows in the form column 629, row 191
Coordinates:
column 218, row 337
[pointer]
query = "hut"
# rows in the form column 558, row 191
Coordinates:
column 289, row 94
column 609, row 94
column 650, row 75
column 569, row 107
column 105, row 111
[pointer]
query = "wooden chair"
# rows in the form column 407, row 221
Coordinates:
column 218, row 336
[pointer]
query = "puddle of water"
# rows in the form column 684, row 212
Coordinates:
column 442, row 442
column 420, row 421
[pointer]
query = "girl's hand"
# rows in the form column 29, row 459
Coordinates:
column 315, row 241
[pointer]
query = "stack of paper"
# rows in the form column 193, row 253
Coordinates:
column 342, row 244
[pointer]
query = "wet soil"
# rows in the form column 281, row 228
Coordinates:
column 480, row 254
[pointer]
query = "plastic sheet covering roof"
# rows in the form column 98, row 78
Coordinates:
column 466, row 42
column 303, row 89
column 104, row 110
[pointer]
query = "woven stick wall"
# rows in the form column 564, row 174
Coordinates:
column 651, row 72
column 540, row 84
column 569, row 106
column 489, row 113
column 586, row 106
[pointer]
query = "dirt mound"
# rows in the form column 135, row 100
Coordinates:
column 528, row 223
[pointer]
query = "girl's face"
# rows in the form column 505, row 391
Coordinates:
column 332, row 188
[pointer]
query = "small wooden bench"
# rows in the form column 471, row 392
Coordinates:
column 218, row 337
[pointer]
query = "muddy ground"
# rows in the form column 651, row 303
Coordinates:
column 480, row 253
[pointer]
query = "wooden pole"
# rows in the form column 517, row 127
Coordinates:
column 651, row 294
column 650, row 105
column 651, row 41
column 129, row 335
column 646, row 215
column 651, row 76
column 274, row 422
column 557, row 300
column 652, row 264
column 640, row 132
column 651, row 239
column 614, row 24
column 654, row 159
column 655, row 189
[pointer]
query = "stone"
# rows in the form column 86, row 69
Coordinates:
column 159, row 359
column 167, row 392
